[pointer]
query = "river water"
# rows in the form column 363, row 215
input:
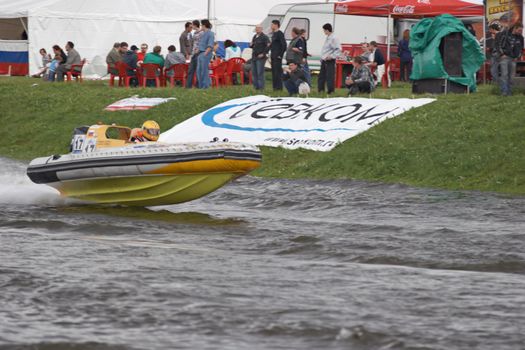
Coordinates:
column 263, row 264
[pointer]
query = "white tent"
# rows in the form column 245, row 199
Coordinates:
column 94, row 25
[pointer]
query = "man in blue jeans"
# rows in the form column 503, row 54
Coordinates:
column 509, row 47
column 260, row 47
column 206, row 44
column 192, row 69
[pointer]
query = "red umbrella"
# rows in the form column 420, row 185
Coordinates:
column 410, row 8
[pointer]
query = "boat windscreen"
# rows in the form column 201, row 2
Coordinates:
column 116, row 133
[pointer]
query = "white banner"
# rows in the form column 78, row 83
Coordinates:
column 312, row 123
column 13, row 45
column 137, row 103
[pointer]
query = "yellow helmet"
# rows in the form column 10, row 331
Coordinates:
column 151, row 130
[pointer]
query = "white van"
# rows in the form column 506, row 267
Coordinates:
column 312, row 17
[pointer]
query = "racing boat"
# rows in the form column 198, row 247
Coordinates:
column 105, row 167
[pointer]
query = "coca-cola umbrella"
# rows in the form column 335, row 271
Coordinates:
column 409, row 9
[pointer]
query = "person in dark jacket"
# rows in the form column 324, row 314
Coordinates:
column 509, row 47
column 405, row 56
column 295, row 50
column 377, row 62
column 361, row 79
column 261, row 46
column 304, row 64
column 186, row 41
column 490, row 51
column 278, row 48
column 293, row 76
column 130, row 58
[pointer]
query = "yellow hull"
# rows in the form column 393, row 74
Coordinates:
column 150, row 190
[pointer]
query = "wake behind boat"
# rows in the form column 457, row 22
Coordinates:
column 105, row 167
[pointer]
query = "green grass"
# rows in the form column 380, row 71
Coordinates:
column 473, row 142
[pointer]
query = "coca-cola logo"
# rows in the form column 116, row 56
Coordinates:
column 404, row 10
column 340, row 8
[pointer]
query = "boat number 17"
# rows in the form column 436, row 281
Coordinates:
column 77, row 143
column 91, row 145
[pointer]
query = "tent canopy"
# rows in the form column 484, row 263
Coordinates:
column 94, row 25
column 410, row 8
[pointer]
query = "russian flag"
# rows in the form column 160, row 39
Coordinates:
column 14, row 58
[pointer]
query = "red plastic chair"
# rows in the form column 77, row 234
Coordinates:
column 151, row 71
column 235, row 66
column 215, row 62
column 180, row 72
column 76, row 73
column 218, row 74
column 112, row 75
column 123, row 76
column 395, row 68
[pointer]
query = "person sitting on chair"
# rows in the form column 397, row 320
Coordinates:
column 361, row 79
column 46, row 61
column 73, row 58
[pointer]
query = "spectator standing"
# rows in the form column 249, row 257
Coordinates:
column 142, row 53
column 491, row 53
column 305, row 66
column 112, row 58
column 73, row 57
column 185, row 41
column 278, row 48
column 377, row 62
column 509, row 46
column 329, row 53
column 192, row 69
column 405, row 56
column 130, row 58
column 361, row 79
column 295, row 50
column 206, row 44
column 261, row 46
column 293, row 76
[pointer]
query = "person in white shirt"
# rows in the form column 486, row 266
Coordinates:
column 329, row 53
column 231, row 50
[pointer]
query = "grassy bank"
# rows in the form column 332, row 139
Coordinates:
column 459, row 142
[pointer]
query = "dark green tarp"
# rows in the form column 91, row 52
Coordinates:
column 425, row 39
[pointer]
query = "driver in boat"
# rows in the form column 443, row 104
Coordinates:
column 150, row 131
